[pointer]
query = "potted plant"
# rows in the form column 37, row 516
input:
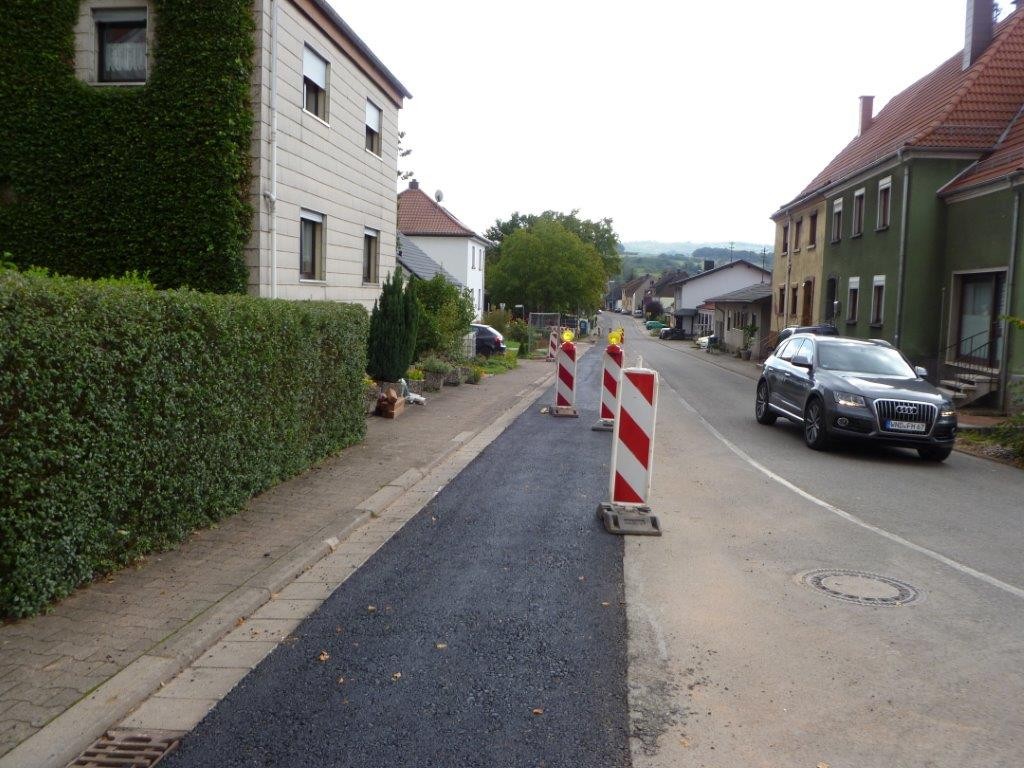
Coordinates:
column 415, row 380
column 434, row 372
column 749, row 332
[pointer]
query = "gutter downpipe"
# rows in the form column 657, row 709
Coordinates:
column 901, row 275
column 1004, row 364
column 271, row 196
column 787, row 297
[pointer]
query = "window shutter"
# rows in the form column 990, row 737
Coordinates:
column 314, row 67
column 372, row 116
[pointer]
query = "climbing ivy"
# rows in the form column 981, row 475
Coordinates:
column 98, row 181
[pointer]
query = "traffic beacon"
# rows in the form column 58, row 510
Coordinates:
column 610, row 383
column 628, row 511
column 565, row 382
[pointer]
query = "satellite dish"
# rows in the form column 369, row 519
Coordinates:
column 439, row 195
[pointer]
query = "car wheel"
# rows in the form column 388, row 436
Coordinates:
column 934, row 453
column 764, row 414
column 815, row 433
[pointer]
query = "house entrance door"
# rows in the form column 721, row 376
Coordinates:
column 807, row 308
column 981, row 299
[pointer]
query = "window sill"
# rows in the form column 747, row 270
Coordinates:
column 375, row 284
column 875, row 325
column 836, row 241
column 856, row 235
column 128, row 84
column 317, row 118
column 311, row 281
column 882, row 229
column 811, row 246
column 796, row 250
column 851, row 322
column 375, row 154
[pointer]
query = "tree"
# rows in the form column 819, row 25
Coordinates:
column 599, row 234
column 390, row 343
column 403, row 175
column 653, row 307
column 547, row 268
column 445, row 314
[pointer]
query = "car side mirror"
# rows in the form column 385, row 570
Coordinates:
column 802, row 361
column 921, row 371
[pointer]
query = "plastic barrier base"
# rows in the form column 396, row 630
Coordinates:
column 628, row 521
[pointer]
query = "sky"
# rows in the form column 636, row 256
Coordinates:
column 679, row 120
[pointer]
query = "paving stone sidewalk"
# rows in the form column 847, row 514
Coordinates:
column 50, row 662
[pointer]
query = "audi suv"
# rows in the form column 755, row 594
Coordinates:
column 840, row 388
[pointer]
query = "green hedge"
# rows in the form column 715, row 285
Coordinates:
column 130, row 417
column 96, row 181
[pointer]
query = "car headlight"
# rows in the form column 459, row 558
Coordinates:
column 849, row 400
column 947, row 410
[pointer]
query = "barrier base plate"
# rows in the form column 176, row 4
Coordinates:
column 628, row 521
column 565, row 410
column 604, row 425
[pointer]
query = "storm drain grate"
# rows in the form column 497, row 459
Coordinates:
column 860, row 587
column 127, row 750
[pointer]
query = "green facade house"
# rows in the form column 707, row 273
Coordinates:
column 922, row 242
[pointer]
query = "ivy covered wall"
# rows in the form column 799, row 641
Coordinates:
column 97, row 181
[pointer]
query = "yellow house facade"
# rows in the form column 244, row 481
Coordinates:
column 797, row 273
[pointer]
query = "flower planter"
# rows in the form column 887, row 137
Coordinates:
column 746, row 354
column 370, row 399
column 416, row 386
column 453, row 378
column 432, row 381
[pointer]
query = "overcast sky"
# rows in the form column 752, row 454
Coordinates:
column 680, row 120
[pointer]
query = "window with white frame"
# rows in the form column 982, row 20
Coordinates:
column 858, row 213
column 785, row 239
column 311, row 245
column 780, row 305
column 121, row 44
column 314, row 83
column 371, row 255
column 812, row 230
column 796, row 234
column 884, row 202
column 877, row 299
column 852, row 299
column 374, row 119
column 837, row 220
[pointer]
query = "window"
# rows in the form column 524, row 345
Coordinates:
column 371, row 255
column 884, row 200
column 792, row 303
column 789, row 346
column 472, row 250
column 877, row 299
column 852, row 297
column 812, row 230
column 785, row 239
column 780, row 307
column 858, row 213
column 314, row 83
column 373, row 124
column 121, row 45
column 796, row 234
column 837, row 220
column 311, row 245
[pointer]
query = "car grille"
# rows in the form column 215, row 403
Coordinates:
column 905, row 410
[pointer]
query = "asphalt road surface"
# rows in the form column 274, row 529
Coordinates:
column 496, row 637
column 738, row 657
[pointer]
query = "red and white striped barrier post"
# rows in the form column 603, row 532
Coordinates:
column 609, row 387
column 565, row 381
column 633, row 456
column 553, row 344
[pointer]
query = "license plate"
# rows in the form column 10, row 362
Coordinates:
column 905, row 426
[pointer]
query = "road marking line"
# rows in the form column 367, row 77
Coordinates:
column 965, row 569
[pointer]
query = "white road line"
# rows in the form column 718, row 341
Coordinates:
column 965, row 569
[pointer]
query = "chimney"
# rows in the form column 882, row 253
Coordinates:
column 414, row 184
column 980, row 20
column 867, row 113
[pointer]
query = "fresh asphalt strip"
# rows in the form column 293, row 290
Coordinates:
column 489, row 631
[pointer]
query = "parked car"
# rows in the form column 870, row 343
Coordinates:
column 488, row 341
column 818, row 330
column 707, row 341
column 654, row 325
column 859, row 389
column 674, row 334
column 638, row 313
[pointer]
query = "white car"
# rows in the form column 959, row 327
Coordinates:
column 703, row 341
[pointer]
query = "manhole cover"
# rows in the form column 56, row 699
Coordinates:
column 128, row 750
column 860, row 587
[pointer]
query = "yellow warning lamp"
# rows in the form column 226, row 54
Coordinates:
column 567, row 335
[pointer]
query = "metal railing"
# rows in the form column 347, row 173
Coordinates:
column 975, row 362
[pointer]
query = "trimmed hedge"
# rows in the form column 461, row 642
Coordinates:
column 97, row 181
column 130, row 417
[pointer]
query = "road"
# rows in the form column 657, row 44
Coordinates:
column 735, row 660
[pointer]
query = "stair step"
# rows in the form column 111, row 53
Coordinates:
column 957, row 384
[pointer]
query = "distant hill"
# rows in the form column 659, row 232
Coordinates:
column 635, row 264
column 654, row 248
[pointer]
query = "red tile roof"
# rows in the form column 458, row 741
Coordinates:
column 1008, row 159
column 949, row 109
column 418, row 214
